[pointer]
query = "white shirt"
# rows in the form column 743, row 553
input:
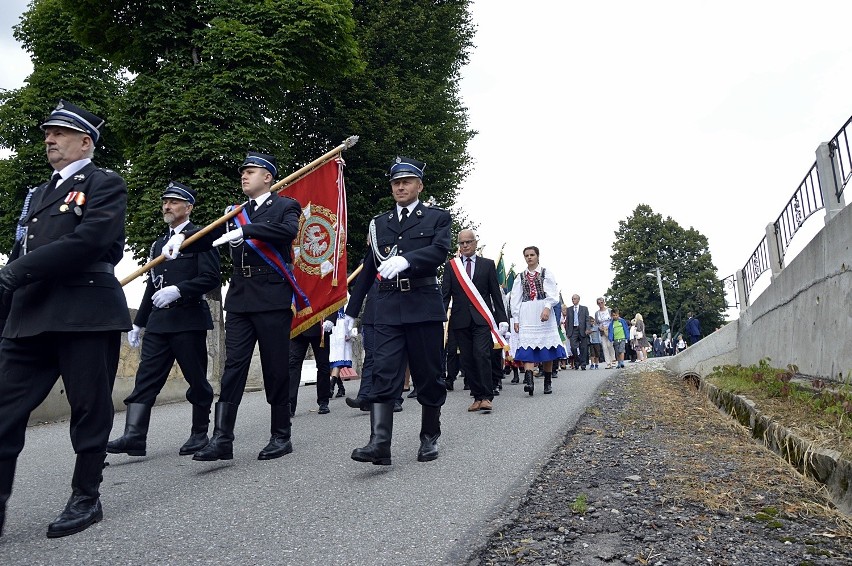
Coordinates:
column 410, row 208
column 472, row 260
column 69, row 170
column 261, row 199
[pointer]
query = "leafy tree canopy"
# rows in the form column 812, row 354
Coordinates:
column 646, row 241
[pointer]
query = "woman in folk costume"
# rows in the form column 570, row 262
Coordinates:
column 534, row 296
column 339, row 349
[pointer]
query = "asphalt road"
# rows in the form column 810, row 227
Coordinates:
column 314, row 506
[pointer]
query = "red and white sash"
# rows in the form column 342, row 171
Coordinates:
column 477, row 301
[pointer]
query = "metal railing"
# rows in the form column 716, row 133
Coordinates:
column 729, row 284
column 841, row 157
column 756, row 264
column 805, row 201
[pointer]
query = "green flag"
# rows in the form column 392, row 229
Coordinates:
column 510, row 279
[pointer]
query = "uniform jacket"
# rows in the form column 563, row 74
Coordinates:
column 67, row 284
column 424, row 241
column 194, row 274
column 485, row 281
column 276, row 222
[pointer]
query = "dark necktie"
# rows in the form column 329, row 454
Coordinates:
column 469, row 266
column 403, row 216
column 49, row 188
column 171, row 235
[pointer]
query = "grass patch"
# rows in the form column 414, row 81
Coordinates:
column 580, row 504
column 811, row 408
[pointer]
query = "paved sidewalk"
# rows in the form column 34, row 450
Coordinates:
column 315, row 506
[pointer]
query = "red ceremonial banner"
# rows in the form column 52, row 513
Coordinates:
column 319, row 249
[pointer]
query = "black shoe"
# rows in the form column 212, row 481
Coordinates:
column 279, row 441
column 466, row 388
column 430, row 431
column 84, row 506
column 377, row 451
column 133, row 441
column 581, row 367
column 340, row 392
column 354, row 403
column 515, row 379
column 413, row 394
column 323, row 409
column 198, row 434
column 448, row 383
column 221, row 445
column 397, row 406
column 548, row 384
column 495, row 391
column 529, row 384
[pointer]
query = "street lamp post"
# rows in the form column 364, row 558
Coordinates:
column 663, row 300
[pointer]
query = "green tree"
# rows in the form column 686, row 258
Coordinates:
column 404, row 102
column 62, row 68
column 646, row 241
column 209, row 81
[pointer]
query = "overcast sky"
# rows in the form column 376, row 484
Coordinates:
column 708, row 112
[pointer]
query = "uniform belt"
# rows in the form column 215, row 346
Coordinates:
column 182, row 302
column 250, row 270
column 99, row 267
column 406, row 284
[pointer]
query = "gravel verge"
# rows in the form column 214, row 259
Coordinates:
column 654, row 474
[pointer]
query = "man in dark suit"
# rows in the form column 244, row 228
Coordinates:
column 258, row 304
column 693, row 329
column 465, row 277
column 658, row 347
column 67, row 310
column 407, row 246
column 313, row 337
column 176, row 318
column 576, row 323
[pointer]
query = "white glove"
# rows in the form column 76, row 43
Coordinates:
column 165, row 296
column 327, row 326
column 133, row 337
column 504, row 328
column 348, row 324
column 392, row 266
column 352, row 334
column 172, row 248
column 228, row 237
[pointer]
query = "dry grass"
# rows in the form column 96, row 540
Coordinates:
column 716, row 463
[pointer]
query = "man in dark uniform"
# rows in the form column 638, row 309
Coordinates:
column 313, row 337
column 176, row 318
column 407, row 246
column 472, row 329
column 258, row 303
column 67, row 310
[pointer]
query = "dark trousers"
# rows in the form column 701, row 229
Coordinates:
column 496, row 367
column 418, row 346
column 87, row 362
column 368, row 335
column 475, row 345
column 579, row 346
column 298, row 351
column 270, row 330
column 451, row 359
column 159, row 352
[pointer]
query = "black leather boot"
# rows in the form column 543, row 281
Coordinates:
column 529, row 384
column 84, row 506
column 198, row 434
column 547, row 383
column 515, row 378
column 430, row 430
column 377, row 450
column 279, row 441
column 135, row 435
column 7, row 476
column 221, row 445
